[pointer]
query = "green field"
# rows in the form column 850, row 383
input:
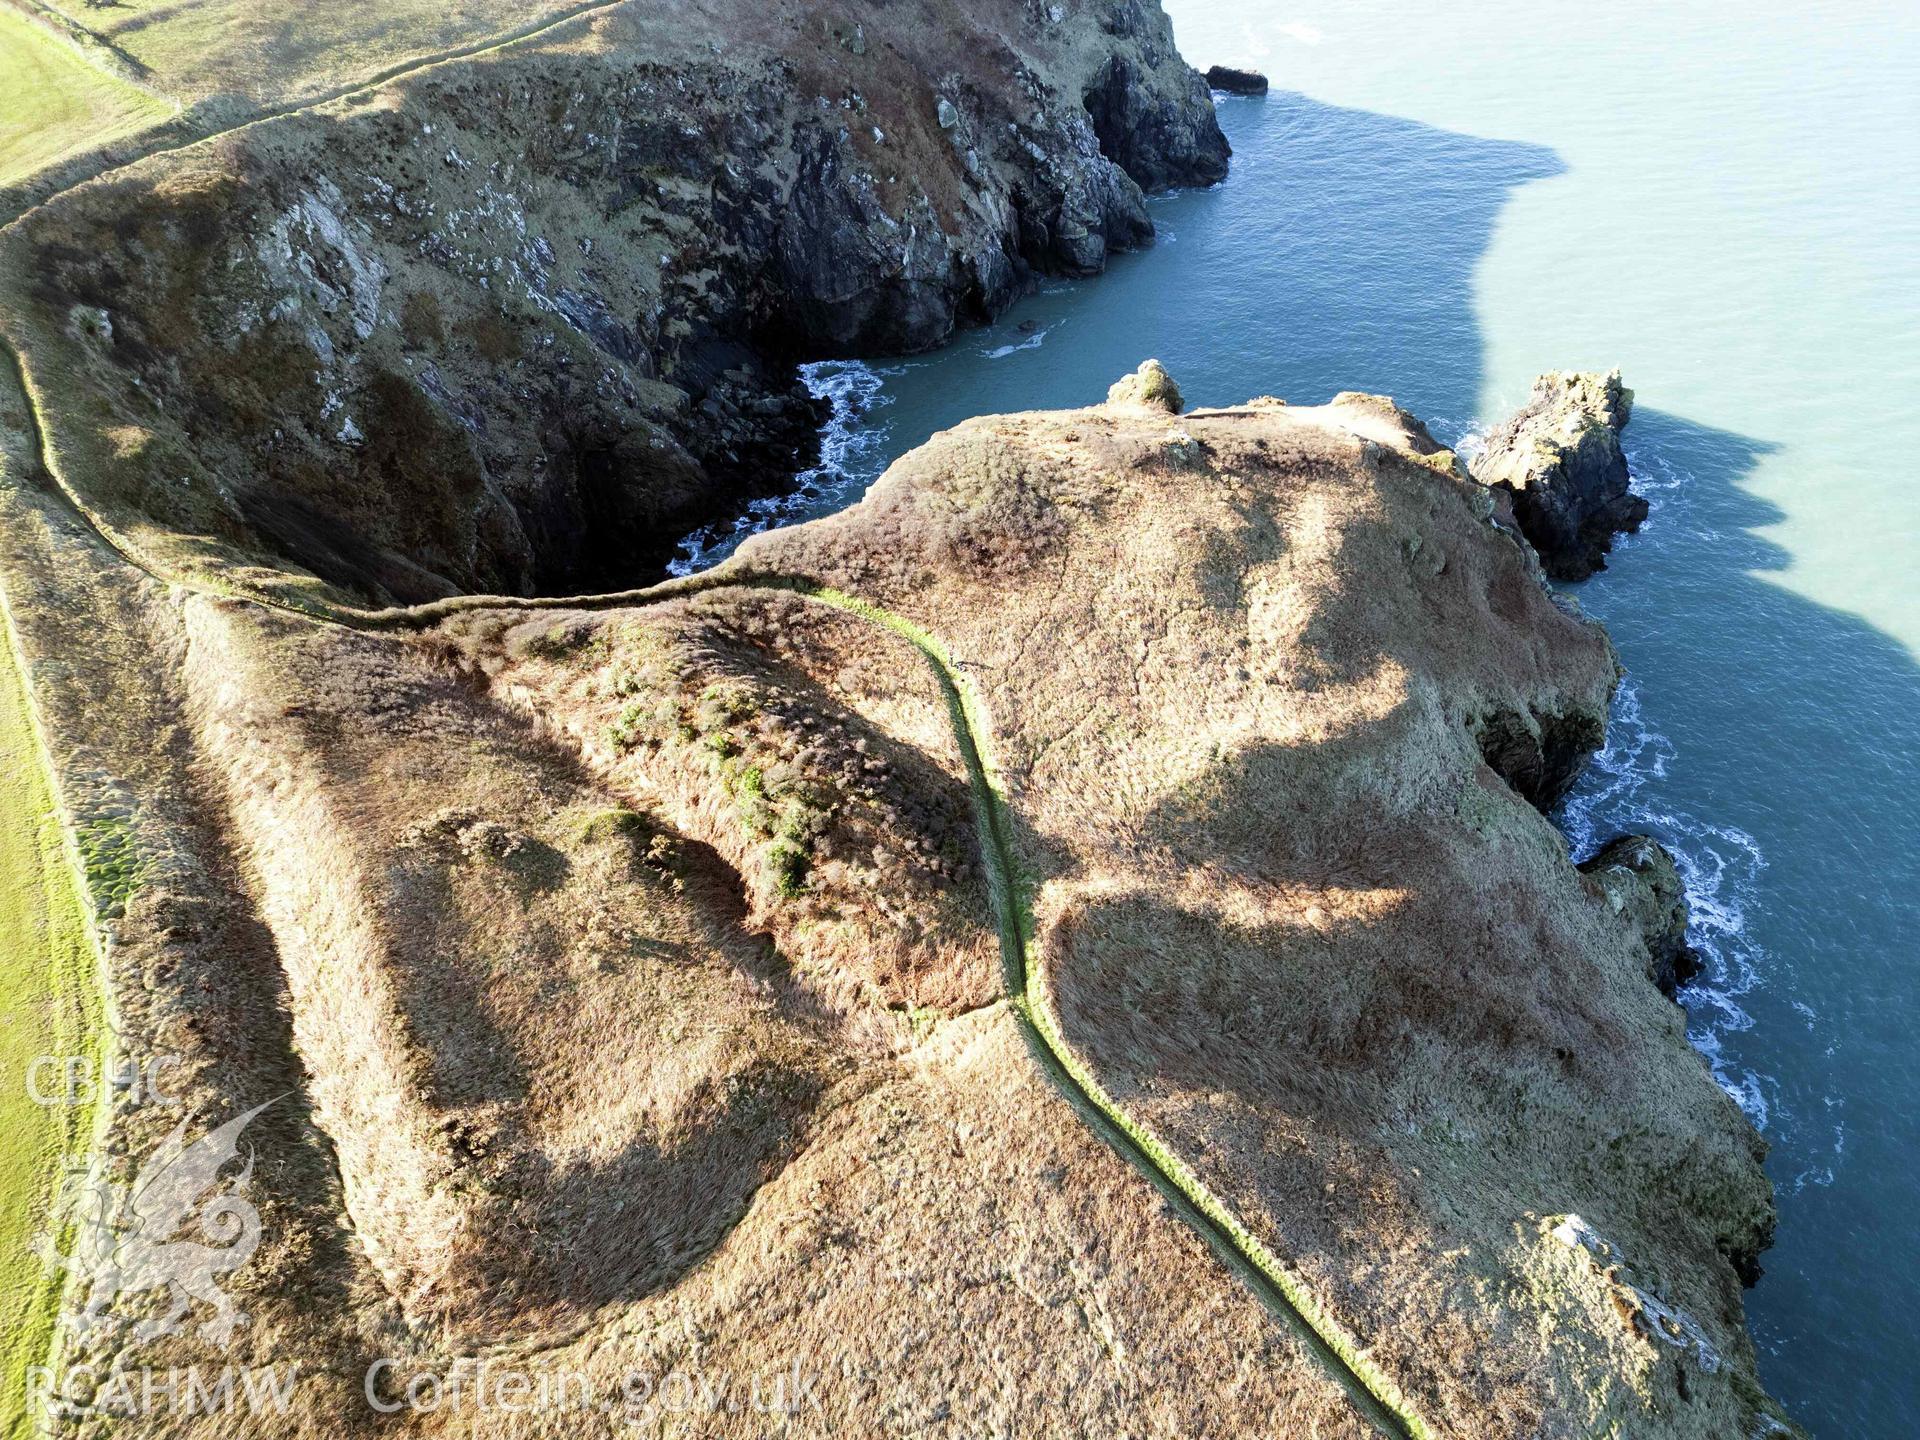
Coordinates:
column 48, row 1006
column 54, row 104
column 267, row 54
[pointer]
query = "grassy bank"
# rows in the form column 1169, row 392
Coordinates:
column 54, row 104
column 48, row 1006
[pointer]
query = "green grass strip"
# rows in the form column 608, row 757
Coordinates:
column 53, row 103
column 1372, row 1392
column 49, row 1005
column 48, row 960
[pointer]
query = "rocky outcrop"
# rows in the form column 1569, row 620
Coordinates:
column 1149, row 386
column 1275, row 706
column 1559, row 462
column 1151, row 110
column 1641, row 883
column 531, row 317
column 1236, row 82
column 1541, row 753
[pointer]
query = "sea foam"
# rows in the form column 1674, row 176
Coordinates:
column 850, row 442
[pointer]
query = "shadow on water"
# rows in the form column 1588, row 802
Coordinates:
column 1340, row 255
column 1773, row 742
column 1776, row 744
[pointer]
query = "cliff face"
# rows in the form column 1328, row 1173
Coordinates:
column 635, row 976
column 1245, row 670
column 517, row 322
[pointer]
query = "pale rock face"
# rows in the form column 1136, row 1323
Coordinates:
column 1640, row 1309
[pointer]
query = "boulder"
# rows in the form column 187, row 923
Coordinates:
column 1236, row 82
column 1150, row 386
column 1559, row 462
column 1640, row 881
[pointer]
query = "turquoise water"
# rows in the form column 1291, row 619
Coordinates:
column 1726, row 204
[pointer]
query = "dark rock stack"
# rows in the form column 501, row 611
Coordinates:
column 1236, row 82
column 1559, row 461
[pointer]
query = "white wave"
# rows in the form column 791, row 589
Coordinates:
column 1032, row 342
column 1653, row 474
column 1823, row 1175
column 1623, row 793
column 1466, row 438
column 850, row 447
column 1620, row 794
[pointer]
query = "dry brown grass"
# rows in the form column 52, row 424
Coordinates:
column 461, row 925
column 813, row 755
column 936, row 1236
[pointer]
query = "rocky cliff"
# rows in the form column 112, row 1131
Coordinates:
column 1641, row 881
column 518, row 321
column 1069, row 945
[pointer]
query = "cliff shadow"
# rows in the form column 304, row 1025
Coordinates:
column 1339, row 254
column 1759, row 728
column 1773, row 743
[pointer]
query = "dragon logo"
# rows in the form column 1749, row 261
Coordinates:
column 128, row 1240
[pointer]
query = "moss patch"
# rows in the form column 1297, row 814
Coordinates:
column 112, row 862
